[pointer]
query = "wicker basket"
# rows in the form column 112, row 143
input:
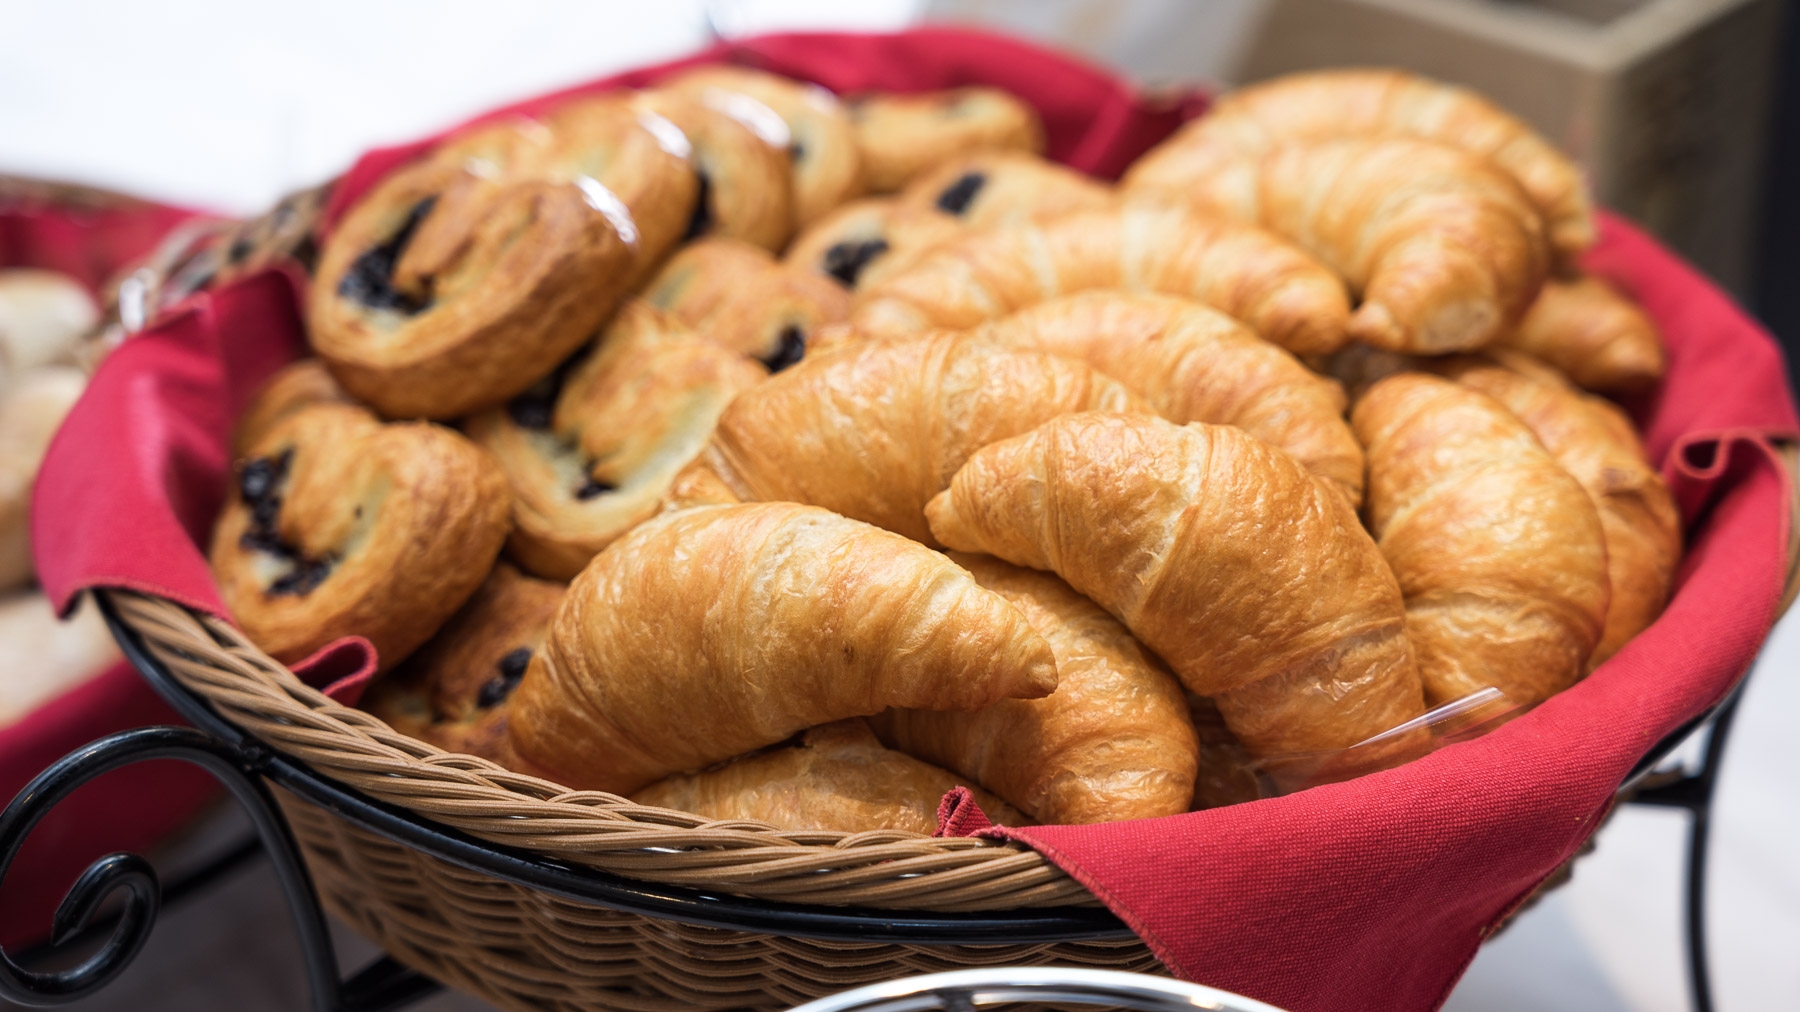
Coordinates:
column 524, row 948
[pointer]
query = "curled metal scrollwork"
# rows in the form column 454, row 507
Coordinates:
column 384, row 985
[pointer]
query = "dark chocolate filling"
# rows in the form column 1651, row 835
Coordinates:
column 702, row 221
column 846, row 260
column 257, row 484
column 536, row 407
column 790, row 349
column 370, row 279
column 593, row 487
column 956, row 197
column 512, row 668
column 797, row 152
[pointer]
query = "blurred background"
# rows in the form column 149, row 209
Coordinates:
column 1685, row 112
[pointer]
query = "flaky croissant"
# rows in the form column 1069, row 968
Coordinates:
column 708, row 632
column 836, row 777
column 1195, row 364
column 1250, row 577
column 874, row 429
column 1597, row 336
column 1499, row 551
column 1338, row 103
column 1594, row 441
column 1445, row 250
column 1112, row 742
column 1275, row 288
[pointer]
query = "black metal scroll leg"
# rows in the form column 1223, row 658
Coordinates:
column 382, row 986
column 1695, row 793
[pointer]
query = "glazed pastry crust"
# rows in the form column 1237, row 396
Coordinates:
column 1594, row 441
column 1253, row 580
column 837, row 777
column 1336, row 103
column 1195, row 364
column 865, row 240
column 1445, row 250
column 1112, row 742
column 1499, row 550
column 990, row 188
column 411, row 517
column 741, row 298
column 708, row 632
column 631, row 413
column 1273, row 287
column 827, row 167
column 900, row 136
column 748, row 191
column 1596, row 336
column 294, row 386
column 874, row 429
column 452, row 691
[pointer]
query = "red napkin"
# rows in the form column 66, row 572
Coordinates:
column 1369, row 894
column 132, row 808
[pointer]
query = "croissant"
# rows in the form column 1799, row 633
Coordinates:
column 874, row 429
column 867, row 239
column 900, row 136
column 1445, row 250
column 1112, row 742
column 591, row 449
column 708, row 632
column 1499, row 551
column 452, row 692
column 1594, row 441
column 837, row 777
column 989, row 188
column 462, row 279
column 342, row 526
column 1194, row 364
column 745, row 179
column 1277, row 290
column 1340, row 103
column 742, row 298
column 1249, row 577
column 821, row 142
column 1600, row 338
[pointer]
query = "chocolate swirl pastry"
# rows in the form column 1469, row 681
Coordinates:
column 744, row 176
column 863, row 241
column 902, row 136
column 744, row 299
column 591, row 449
column 1003, row 187
column 452, row 692
column 821, row 142
column 342, row 526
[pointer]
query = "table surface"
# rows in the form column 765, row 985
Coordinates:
column 227, row 106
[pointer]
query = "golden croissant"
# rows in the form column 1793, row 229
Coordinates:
column 1600, row 338
column 1195, row 364
column 1354, row 102
column 1275, row 288
column 708, row 632
column 1594, row 441
column 874, row 429
column 1500, row 551
column 1254, row 580
column 1112, row 742
column 1444, row 250
column 836, row 777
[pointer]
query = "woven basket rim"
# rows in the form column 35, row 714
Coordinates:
column 888, row 869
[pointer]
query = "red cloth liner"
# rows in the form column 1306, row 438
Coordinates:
column 133, row 808
column 1373, row 893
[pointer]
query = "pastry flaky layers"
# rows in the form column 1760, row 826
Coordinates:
column 737, row 360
